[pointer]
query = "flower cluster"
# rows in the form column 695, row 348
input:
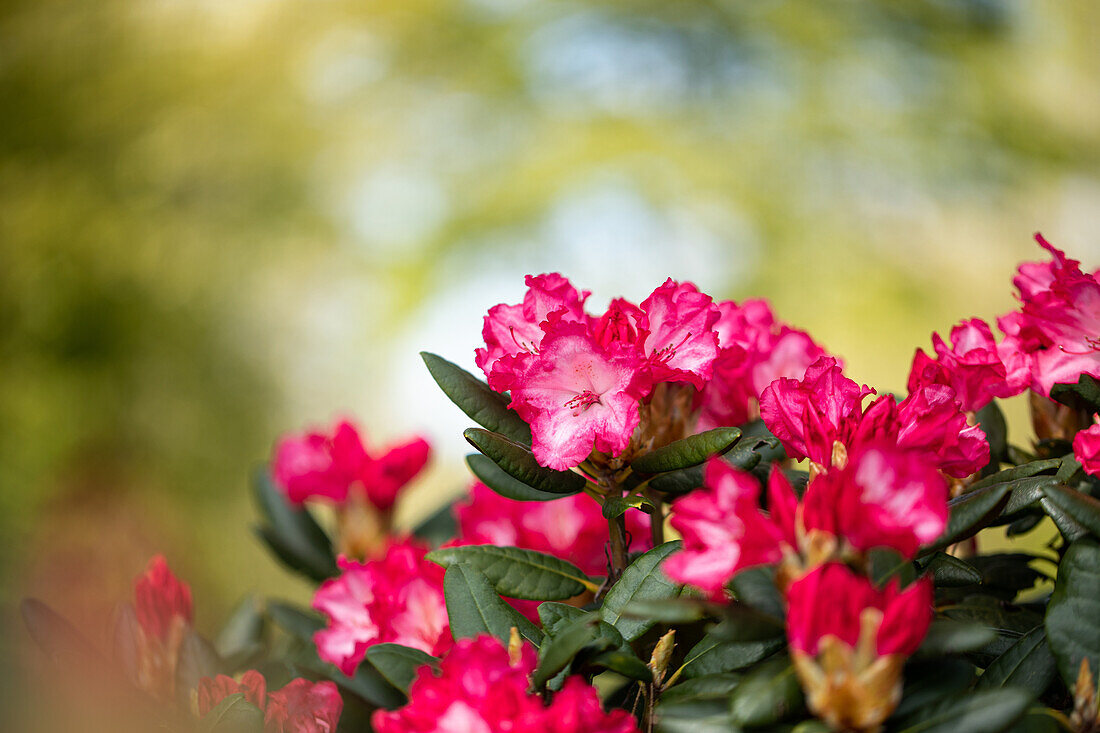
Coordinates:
column 397, row 598
column 579, row 380
column 482, row 687
column 299, row 707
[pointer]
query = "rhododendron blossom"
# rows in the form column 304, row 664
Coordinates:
column 1086, row 449
column 480, row 688
column 395, row 598
column 319, row 465
column 572, row 528
column 849, row 641
column 161, row 600
column 299, row 707
column 974, row 365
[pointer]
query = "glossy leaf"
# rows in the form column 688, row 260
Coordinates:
column 291, row 532
column 519, row 462
column 624, row 662
column 713, row 655
column 984, row 711
column 477, row 399
column 558, row 651
column 970, row 513
column 1028, row 663
column 1073, row 615
column 519, row 573
column 1085, row 395
column 755, row 587
column 769, row 693
column 243, row 633
column 1084, row 509
column 686, row 452
column 497, row 479
column 746, row 454
column 197, row 659
column 992, row 422
column 951, row 572
column 948, row 636
column 642, row 580
column 473, row 607
column 234, row 714
column 398, row 664
column 438, row 527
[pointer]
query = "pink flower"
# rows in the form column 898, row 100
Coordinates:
column 327, row 465
column 572, row 528
column 810, row 415
column 884, row 497
column 479, row 689
column 161, row 600
column 396, row 598
column 831, row 601
column 679, row 341
column 755, row 350
column 974, row 365
column 1058, row 325
column 723, row 528
column 930, row 421
column 303, row 707
column 515, row 329
column 300, row 707
column 575, row 395
column 1086, row 449
column 212, row 690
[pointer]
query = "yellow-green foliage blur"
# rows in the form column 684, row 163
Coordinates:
column 224, row 219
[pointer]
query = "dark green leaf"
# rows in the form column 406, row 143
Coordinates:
column 243, row 633
column 1025, row 493
column 1073, row 615
column 1028, row 663
column 678, row 483
column 1085, row 395
column 1081, row 507
column 987, row 711
column 992, row 422
column 969, row 513
column 755, row 587
column 746, row 454
column 298, row 622
column 291, row 532
column 519, row 573
column 1069, row 470
column 499, row 481
column 234, row 714
column 744, row 623
column 614, row 506
column 1036, row 720
column 197, row 659
column 474, row 397
column 887, row 564
column 1070, row 529
column 519, row 462
column 708, row 687
column 932, row 681
column 558, row 651
column 767, row 694
column 951, row 572
column 624, row 662
column 439, row 526
column 713, row 655
column 398, row 664
column 686, row 452
column 642, row 580
column 473, row 607
column 681, row 610
column 1025, row 470
column 697, row 716
column 947, row 636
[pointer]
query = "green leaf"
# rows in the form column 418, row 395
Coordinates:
column 642, row 580
column 497, row 479
column 557, row 617
column 755, row 587
column 1028, row 663
column 1081, row 507
column 713, row 655
column 1070, row 529
column 473, row 607
column 746, row 454
column 624, row 662
column 682, row 610
column 686, row 452
column 242, row 634
column 474, row 397
column 951, row 572
column 398, row 664
column 519, row 573
column 929, row 682
column 985, row 711
column 614, row 506
column 992, row 422
column 705, row 687
column 519, row 462
column 970, row 513
column 1026, row 470
column 291, row 532
column 1085, row 395
column 234, row 714
column 1073, row 615
column 948, row 636
column 298, row 622
column 439, row 526
column 558, row 651
column 767, row 694
column 197, row 659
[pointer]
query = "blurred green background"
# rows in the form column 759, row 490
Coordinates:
column 225, row 219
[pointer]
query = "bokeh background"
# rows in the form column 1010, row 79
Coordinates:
column 225, row 219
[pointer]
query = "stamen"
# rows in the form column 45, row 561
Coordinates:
column 1092, row 342
column 665, row 354
column 523, row 345
column 582, row 402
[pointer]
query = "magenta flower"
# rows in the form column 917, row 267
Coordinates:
column 327, row 465
column 884, row 497
column 833, row 601
column 161, row 600
column 678, row 338
column 1086, row 449
column 516, row 329
column 299, row 707
column 723, row 528
column 930, row 421
column 575, row 395
column 755, row 349
column 975, row 366
column 572, row 528
column 480, row 689
column 396, row 598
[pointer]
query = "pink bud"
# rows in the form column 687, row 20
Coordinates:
column 160, row 598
